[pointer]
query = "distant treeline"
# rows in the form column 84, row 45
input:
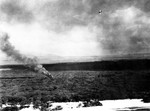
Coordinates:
column 126, row 64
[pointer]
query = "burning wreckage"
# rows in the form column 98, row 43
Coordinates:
column 40, row 69
column 10, row 51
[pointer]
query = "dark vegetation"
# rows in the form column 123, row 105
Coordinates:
column 13, row 108
column 74, row 86
column 90, row 103
column 27, row 86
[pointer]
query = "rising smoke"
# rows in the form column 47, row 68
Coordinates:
column 10, row 50
column 75, row 26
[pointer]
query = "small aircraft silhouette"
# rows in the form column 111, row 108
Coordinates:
column 100, row 11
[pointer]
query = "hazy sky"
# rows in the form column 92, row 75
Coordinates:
column 49, row 28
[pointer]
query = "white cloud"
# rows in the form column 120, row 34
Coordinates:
column 73, row 31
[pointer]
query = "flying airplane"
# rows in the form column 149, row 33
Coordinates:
column 100, row 11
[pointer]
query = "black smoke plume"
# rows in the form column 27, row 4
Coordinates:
column 10, row 50
column 123, row 27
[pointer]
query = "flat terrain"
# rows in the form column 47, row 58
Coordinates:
column 106, row 80
column 75, row 85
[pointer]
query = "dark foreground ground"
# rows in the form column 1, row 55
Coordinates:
column 23, row 85
column 75, row 85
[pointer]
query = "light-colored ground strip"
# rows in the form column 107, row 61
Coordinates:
column 108, row 105
column 3, row 69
